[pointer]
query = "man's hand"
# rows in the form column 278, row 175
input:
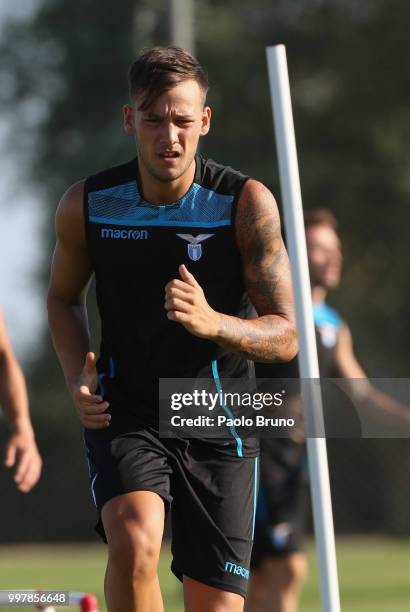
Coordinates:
column 22, row 454
column 185, row 303
column 90, row 407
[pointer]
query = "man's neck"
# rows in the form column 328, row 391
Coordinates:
column 318, row 294
column 165, row 192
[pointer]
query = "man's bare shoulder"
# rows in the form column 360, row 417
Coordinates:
column 71, row 203
column 5, row 346
column 256, row 200
column 257, row 218
column 2, row 331
column 70, row 214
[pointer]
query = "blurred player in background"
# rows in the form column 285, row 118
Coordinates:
column 21, row 449
column 278, row 562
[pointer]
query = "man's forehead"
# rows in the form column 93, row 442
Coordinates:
column 185, row 97
column 177, row 110
column 322, row 234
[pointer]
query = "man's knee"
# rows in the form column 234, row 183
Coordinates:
column 297, row 567
column 290, row 569
column 132, row 552
column 134, row 540
column 228, row 602
column 200, row 597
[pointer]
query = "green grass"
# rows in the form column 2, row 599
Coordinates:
column 373, row 576
column 374, row 573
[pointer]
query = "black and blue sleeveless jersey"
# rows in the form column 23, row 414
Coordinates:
column 135, row 249
column 327, row 325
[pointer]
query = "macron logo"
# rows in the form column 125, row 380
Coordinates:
column 124, row 234
column 232, row 568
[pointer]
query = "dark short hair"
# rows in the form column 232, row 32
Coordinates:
column 321, row 216
column 161, row 68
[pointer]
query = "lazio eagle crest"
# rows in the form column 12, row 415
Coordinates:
column 194, row 244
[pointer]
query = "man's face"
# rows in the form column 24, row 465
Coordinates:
column 324, row 256
column 167, row 133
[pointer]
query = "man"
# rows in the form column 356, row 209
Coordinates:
column 278, row 561
column 174, row 241
column 21, row 449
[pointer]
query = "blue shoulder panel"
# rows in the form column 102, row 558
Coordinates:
column 123, row 205
column 325, row 315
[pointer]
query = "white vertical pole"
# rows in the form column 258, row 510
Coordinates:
column 182, row 24
column 308, row 362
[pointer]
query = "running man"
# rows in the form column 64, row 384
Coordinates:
column 21, row 449
column 175, row 242
column 278, row 561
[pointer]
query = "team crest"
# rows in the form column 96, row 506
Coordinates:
column 328, row 335
column 280, row 535
column 195, row 244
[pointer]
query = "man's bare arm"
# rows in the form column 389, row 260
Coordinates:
column 272, row 336
column 346, row 361
column 21, row 449
column 13, row 392
column 360, row 387
column 70, row 275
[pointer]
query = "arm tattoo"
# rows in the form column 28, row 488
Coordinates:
column 270, row 337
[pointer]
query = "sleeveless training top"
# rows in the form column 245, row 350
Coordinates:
column 135, row 249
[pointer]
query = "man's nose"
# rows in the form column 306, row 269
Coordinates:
column 169, row 132
column 335, row 257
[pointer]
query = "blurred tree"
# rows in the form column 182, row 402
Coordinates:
column 349, row 67
column 62, row 85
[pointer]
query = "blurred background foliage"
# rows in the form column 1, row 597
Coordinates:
column 62, row 86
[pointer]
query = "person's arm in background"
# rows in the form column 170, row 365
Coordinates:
column 363, row 391
column 21, row 449
column 70, row 275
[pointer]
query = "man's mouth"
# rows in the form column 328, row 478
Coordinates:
column 169, row 154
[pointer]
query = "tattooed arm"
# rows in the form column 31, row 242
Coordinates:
column 270, row 337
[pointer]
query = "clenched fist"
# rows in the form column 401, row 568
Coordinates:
column 185, row 303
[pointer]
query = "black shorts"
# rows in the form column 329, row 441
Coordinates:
column 213, row 498
column 283, row 500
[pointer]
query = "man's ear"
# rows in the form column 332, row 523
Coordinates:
column 128, row 113
column 206, row 120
